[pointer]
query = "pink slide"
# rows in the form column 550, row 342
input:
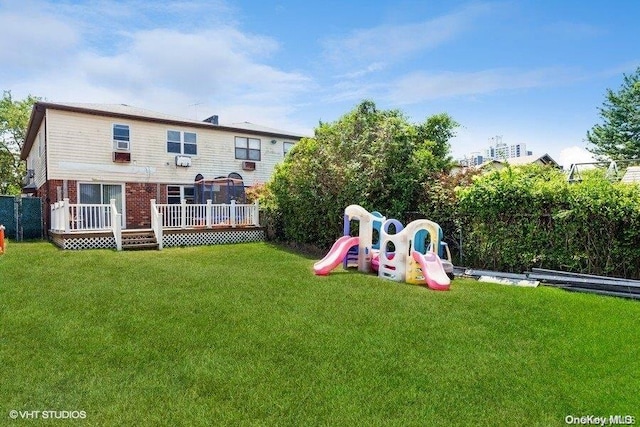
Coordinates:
column 336, row 255
column 432, row 270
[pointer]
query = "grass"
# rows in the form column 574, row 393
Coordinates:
column 247, row 335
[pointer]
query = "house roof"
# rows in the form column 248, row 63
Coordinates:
column 545, row 159
column 488, row 163
column 631, row 175
column 125, row 111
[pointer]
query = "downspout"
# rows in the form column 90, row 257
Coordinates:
column 47, row 202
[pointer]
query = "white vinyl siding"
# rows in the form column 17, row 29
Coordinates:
column 37, row 159
column 150, row 161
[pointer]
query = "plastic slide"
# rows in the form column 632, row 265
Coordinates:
column 336, row 255
column 432, row 270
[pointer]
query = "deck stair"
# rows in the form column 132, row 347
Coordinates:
column 139, row 239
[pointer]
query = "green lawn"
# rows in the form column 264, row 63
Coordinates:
column 247, row 335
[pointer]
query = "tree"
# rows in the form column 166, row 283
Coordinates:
column 371, row 157
column 618, row 137
column 14, row 118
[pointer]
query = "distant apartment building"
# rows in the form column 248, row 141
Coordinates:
column 497, row 150
column 474, row 159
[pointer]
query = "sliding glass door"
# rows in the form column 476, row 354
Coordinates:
column 102, row 194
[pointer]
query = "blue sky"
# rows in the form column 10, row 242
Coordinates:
column 533, row 72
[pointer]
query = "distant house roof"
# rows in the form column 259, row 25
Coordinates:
column 545, row 159
column 258, row 128
column 125, row 111
column 631, row 175
column 491, row 163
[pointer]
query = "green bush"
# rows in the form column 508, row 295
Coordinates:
column 509, row 220
column 374, row 158
column 519, row 218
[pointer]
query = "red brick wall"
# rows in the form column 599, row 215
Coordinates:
column 138, row 204
column 50, row 190
column 48, row 193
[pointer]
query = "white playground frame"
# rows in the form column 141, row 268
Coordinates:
column 401, row 267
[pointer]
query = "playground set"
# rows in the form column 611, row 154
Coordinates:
column 412, row 254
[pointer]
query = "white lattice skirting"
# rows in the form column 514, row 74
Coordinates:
column 212, row 238
column 196, row 238
column 84, row 242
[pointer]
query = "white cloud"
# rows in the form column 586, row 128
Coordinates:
column 30, row 39
column 391, row 42
column 223, row 69
column 422, row 86
column 213, row 62
column 575, row 30
column 371, row 68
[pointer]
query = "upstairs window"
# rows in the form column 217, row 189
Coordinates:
column 121, row 137
column 40, row 144
column 247, row 148
column 286, row 147
column 182, row 142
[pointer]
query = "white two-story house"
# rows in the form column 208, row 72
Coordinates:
column 93, row 153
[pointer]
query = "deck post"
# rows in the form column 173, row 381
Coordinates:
column 157, row 223
column 183, row 213
column 256, row 214
column 208, row 213
column 116, row 224
column 232, row 214
column 66, row 214
column 55, row 221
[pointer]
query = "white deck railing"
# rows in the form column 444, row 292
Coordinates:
column 185, row 215
column 68, row 217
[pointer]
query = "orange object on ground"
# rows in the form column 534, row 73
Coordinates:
column 1, row 239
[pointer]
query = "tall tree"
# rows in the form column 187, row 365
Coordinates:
column 375, row 158
column 618, row 137
column 14, row 118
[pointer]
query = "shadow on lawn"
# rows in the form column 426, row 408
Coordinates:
column 307, row 251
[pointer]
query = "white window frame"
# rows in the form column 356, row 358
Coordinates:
column 246, row 147
column 40, row 144
column 116, row 142
column 287, row 146
column 182, row 142
column 182, row 192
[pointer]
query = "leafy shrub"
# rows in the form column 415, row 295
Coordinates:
column 519, row 218
column 370, row 157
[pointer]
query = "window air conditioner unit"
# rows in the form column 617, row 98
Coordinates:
column 184, row 161
column 122, row 145
column 248, row 166
column 28, row 178
column 121, row 157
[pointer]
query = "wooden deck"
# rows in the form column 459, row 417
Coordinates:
column 194, row 236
